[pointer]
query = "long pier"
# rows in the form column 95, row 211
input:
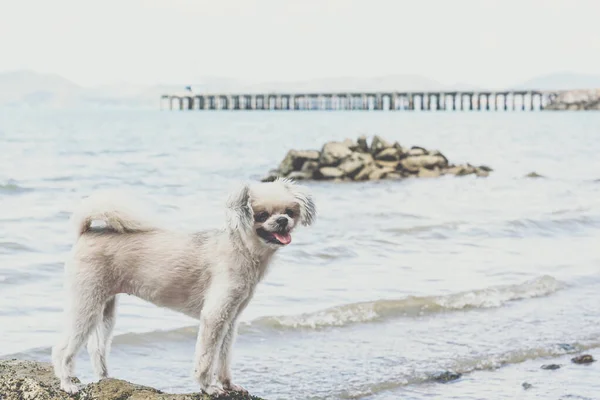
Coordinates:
column 526, row 100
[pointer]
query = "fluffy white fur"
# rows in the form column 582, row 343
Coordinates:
column 209, row 275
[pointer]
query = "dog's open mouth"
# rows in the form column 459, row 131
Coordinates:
column 281, row 238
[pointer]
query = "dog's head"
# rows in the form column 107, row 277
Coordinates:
column 268, row 212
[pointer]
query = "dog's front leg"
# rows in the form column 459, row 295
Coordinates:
column 219, row 308
column 224, row 373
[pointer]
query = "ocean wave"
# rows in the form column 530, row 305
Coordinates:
column 555, row 224
column 369, row 312
column 153, row 337
column 561, row 221
column 11, row 247
column 417, row 229
column 469, row 365
column 365, row 312
column 374, row 311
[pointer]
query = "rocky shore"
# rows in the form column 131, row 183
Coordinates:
column 30, row 380
column 362, row 160
column 576, row 100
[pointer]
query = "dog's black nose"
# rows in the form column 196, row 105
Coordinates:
column 282, row 221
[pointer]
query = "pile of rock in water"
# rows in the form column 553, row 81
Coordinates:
column 360, row 161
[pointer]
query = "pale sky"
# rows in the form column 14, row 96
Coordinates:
column 489, row 43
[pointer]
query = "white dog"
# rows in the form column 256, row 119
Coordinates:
column 209, row 275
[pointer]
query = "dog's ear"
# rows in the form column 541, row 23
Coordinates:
column 239, row 210
column 308, row 209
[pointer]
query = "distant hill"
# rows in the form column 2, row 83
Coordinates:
column 35, row 89
column 561, row 81
column 32, row 89
column 349, row 84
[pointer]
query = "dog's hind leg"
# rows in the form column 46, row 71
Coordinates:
column 83, row 316
column 99, row 341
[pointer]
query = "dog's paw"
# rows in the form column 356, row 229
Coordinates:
column 232, row 387
column 214, row 390
column 69, row 387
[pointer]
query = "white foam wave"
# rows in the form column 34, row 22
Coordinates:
column 411, row 306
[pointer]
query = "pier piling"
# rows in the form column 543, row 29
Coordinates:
column 521, row 100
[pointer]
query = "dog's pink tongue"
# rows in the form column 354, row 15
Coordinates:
column 284, row 238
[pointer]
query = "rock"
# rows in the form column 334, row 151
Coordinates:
column 460, row 170
column 300, row 175
column 446, row 376
column 466, row 170
column 429, row 173
column 362, row 145
column 30, row 380
column 310, row 166
column 581, row 99
column 526, row 385
column 329, row 173
column 417, row 151
column 364, row 173
column 402, row 152
column 333, row 154
column 379, row 173
column 409, row 165
column 379, row 144
column 583, row 359
column 295, row 159
column 351, row 167
column 387, row 164
column 271, row 176
column 356, row 160
column 389, row 154
column 415, row 163
column 351, row 144
column 566, row 347
column 439, row 154
column 353, row 164
column 550, row 367
column 481, row 173
column 534, row 175
column 393, row 176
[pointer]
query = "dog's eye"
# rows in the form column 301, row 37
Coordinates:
column 289, row 212
column 261, row 216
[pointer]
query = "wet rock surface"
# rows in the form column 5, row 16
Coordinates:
column 583, row 359
column 574, row 100
column 534, row 175
column 446, row 376
column 550, row 367
column 30, row 380
column 359, row 160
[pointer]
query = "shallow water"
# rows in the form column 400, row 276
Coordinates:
column 396, row 281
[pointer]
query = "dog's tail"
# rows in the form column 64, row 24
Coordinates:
column 114, row 211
